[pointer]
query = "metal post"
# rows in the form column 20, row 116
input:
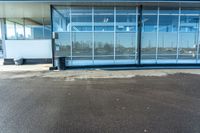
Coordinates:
column 114, row 33
column 136, row 35
column 93, row 35
column 52, row 40
column 198, row 41
column 157, row 34
column 70, row 32
column 139, row 34
column 178, row 35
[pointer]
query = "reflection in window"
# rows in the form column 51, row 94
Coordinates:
column 126, row 10
column 169, row 10
column 82, row 46
column 81, row 19
column 15, row 29
column 125, row 45
column 104, row 19
column 81, row 10
column 189, row 26
column 34, row 28
column 82, row 23
column 10, row 30
column 104, row 46
column 168, row 23
column 63, row 45
column 149, row 37
column 193, row 10
column 19, row 31
column 61, row 19
column 28, row 28
column 47, row 28
column 126, row 23
column 168, row 33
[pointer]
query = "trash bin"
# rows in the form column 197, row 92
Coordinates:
column 61, row 63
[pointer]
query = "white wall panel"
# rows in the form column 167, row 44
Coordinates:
column 28, row 49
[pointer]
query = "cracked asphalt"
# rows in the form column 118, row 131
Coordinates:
column 142, row 104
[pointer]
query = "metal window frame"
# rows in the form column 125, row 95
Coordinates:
column 136, row 34
column 139, row 36
column 93, row 45
column 70, row 34
column 198, row 41
column 178, row 36
column 157, row 33
column 115, row 19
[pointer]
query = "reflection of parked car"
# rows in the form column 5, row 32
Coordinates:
column 169, row 49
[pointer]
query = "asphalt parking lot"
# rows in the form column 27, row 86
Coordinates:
column 142, row 104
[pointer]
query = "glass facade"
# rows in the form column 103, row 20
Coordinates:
column 95, row 35
column 109, row 35
column 28, row 28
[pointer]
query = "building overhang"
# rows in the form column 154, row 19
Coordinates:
column 41, row 8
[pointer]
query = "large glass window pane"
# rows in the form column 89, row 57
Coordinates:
column 126, row 10
column 169, row 10
column 10, row 30
column 63, row 45
column 81, row 10
column 82, row 23
column 47, row 28
column 192, row 10
column 82, row 46
column 189, row 27
column 150, row 10
column 126, row 23
column 104, row 19
column 34, row 28
column 103, row 10
column 168, row 33
column 15, row 28
column 149, row 38
column 61, row 19
column 81, row 19
column 104, row 46
column 125, row 46
column 20, row 28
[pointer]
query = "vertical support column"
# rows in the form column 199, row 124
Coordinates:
column 93, row 34
column 139, row 43
column 178, row 35
column 52, row 39
column 114, row 32
column 198, row 41
column 157, row 33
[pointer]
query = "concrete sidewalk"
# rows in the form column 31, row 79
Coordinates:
column 42, row 70
column 22, row 68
